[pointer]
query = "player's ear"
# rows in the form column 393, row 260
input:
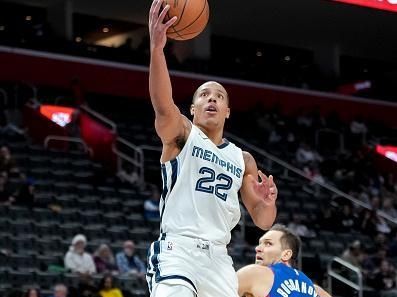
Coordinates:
column 286, row 255
column 228, row 113
column 192, row 109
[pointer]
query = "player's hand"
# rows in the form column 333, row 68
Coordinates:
column 157, row 27
column 266, row 188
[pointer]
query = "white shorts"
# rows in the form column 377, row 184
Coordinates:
column 206, row 269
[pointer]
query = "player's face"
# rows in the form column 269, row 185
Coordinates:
column 211, row 105
column 270, row 250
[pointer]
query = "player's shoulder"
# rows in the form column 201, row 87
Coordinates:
column 255, row 270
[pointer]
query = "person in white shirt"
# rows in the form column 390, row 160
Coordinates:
column 76, row 259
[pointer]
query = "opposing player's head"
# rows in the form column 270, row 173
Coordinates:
column 279, row 244
column 210, row 106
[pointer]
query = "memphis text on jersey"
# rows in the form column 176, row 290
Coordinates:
column 210, row 156
column 288, row 286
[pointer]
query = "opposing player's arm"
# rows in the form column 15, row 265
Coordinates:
column 258, row 197
column 170, row 123
column 321, row 292
column 254, row 280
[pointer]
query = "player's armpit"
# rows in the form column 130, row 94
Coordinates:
column 258, row 197
column 172, row 126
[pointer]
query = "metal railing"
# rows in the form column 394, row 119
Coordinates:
column 334, row 274
column 137, row 159
column 99, row 117
column 52, row 138
column 289, row 168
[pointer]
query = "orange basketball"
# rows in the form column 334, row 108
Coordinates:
column 192, row 16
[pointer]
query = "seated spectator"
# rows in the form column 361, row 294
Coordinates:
column 32, row 292
column 384, row 277
column 104, row 260
column 7, row 162
column 388, row 208
column 299, row 228
column 108, row 289
column 85, row 288
column 152, row 207
column 128, row 262
column 346, row 218
column 367, row 222
column 353, row 254
column 5, row 195
column 305, row 155
column 60, row 290
column 77, row 260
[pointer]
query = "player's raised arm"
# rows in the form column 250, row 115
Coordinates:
column 169, row 121
column 258, row 197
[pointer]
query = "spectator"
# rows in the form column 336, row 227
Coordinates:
column 128, row 262
column 32, row 292
column 299, row 228
column 353, row 254
column 86, row 287
column 107, row 287
column 7, row 162
column 25, row 195
column 305, row 155
column 384, row 277
column 388, row 208
column 104, row 260
column 77, row 260
column 60, row 290
column 346, row 218
column 5, row 194
column 151, row 206
column 367, row 222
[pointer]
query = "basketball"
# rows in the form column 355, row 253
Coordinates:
column 192, row 16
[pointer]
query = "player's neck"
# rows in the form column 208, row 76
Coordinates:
column 216, row 135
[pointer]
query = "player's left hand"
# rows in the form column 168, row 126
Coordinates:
column 266, row 188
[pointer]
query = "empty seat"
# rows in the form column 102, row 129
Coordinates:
column 335, row 248
column 317, row 246
column 48, row 279
column 43, row 215
column 22, row 261
column 19, row 227
column 113, row 218
column 20, row 278
column 69, row 230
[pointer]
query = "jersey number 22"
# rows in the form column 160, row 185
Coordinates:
column 214, row 184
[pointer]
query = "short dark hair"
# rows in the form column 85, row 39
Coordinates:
column 289, row 240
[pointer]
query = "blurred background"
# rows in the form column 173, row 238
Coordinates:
column 313, row 90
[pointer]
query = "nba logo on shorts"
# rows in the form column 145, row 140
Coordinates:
column 169, row 247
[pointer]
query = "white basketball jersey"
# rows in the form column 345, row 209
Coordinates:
column 200, row 189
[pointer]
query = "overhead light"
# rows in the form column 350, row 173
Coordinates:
column 105, row 30
column 259, row 54
column 287, row 58
column 28, row 18
column 78, row 39
column 2, row 28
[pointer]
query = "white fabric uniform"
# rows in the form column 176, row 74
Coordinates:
column 199, row 207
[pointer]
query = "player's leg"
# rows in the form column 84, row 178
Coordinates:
column 167, row 290
column 221, row 279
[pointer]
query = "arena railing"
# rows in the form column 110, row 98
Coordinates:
column 56, row 138
column 287, row 168
column 336, row 274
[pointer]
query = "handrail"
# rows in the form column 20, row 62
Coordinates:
column 334, row 274
column 302, row 174
column 137, row 160
column 50, row 138
column 99, row 117
column 151, row 148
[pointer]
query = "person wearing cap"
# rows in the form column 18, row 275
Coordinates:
column 128, row 262
column 77, row 259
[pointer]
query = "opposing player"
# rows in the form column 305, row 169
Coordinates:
column 202, row 174
column 273, row 274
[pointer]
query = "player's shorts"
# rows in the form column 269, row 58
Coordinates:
column 203, row 267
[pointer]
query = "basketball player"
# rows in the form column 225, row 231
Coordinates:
column 202, row 174
column 273, row 274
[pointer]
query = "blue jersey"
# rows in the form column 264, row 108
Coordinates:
column 289, row 282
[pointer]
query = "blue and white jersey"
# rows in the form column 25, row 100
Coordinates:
column 200, row 189
column 289, row 282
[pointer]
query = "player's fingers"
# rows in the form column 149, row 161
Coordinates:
column 262, row 176
column 170, row 22
column 163, row 14
column 152, row 9
column 156, row 10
